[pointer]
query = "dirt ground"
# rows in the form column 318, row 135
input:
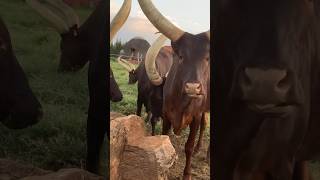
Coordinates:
column 200, row 166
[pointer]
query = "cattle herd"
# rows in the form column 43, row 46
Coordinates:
column 265, row 79
column 174, row 82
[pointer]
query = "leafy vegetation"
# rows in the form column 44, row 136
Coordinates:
column 116, row 47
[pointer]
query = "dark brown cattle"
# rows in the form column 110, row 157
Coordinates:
column 150, row 95
column 19, row 108
column 78, row 45
column 115, row 94
column 266, row 89
column 186, row 89
column 77, row 42
column 97, row 124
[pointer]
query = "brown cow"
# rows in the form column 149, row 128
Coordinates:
column 266, row 89
column 186, row 91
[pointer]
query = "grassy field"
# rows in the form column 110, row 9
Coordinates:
column 128, row 104
column 59, row 140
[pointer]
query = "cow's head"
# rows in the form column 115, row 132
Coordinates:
column 265, row 50
column 132, row 70
column 19, row 107
column 73, row 54
column 74, row 51
column 190, row 70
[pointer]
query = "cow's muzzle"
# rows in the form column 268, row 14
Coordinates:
column 193, row 90
column 265, row 90
column 265, row 86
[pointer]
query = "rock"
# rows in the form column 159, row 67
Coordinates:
column 133, row 155
column 11, row 170
column 117, row 143
column 147, row 158
column 66, row 174
column 133, row 125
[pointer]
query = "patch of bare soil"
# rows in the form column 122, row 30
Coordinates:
column 199, row 163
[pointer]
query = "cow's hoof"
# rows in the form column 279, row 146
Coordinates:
column 186, row 177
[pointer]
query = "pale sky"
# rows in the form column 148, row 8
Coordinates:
column 192, row 16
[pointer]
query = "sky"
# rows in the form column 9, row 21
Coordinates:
column 192, row 16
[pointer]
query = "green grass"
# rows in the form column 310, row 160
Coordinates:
column 59, row 140
column 128, row 104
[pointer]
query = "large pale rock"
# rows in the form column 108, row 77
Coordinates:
column 117, row 143
column 122, row 130
column 66, row 174
column 148, row 158
column 133, row 155
column 133, row 125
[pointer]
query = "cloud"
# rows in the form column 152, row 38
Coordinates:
column 114, row 8
column 138, row 24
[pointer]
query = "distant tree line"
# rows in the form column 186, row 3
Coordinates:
column 116, row 47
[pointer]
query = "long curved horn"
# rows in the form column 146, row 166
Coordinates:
column 150, row 61
column 159, row 21
column 120, row 18
column 131, row 66
column 71, row 17
column 58, row 23
column 123, row 64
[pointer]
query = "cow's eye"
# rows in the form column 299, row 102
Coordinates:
column 180, row 59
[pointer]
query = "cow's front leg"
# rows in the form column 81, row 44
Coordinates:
column 153, row 124
column 202, row 129
column 189, row 146
column 166, row 126
column 139, row 105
